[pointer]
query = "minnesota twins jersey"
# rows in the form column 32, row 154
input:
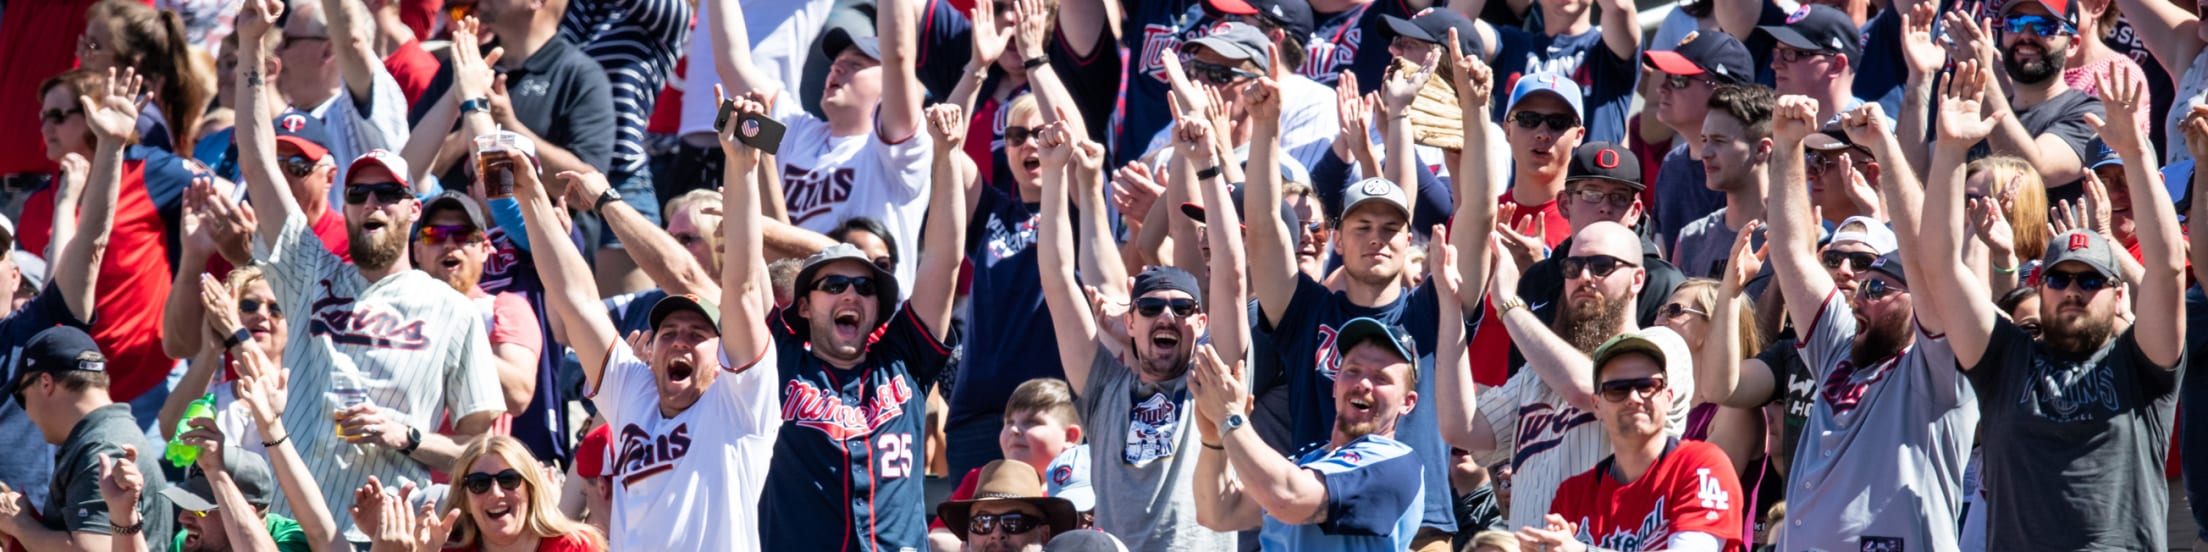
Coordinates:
column 848, row 464
column 1374, row 499
column 1152, row 30
column 1351, row 41
column 1882, row 456
column 830, row 179
column 1690, row 489
column 1548, row 439
column 543, row 424
column 416, row 345
column 666, row 499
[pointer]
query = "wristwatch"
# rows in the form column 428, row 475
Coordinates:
column 475, row 105
column 609, row 196
column 413, row 441
column 1508, row 305
column 1233, row 422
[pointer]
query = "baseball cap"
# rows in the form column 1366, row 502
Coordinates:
column 2065, row 9
column 1716, row 54
column 1549, row 83
column 590, row 456
column 1231, row 7
column 2176, row 177
column 1365, row 328
column 1432, row 26
column 2084, row 247
column 247, row 470
column 1376, row 189
column 1606, row 161
column 303, row 131
column 681, row 302
column 1292, row 16
column 1889, row 263
column 1068, row 478
column 1085, row 540
column 378, row 159
column 449, row 199
column 1196, row 212
column 1235, row 40
column 33, row 268
column 2105, row 156
column 1158, row 278
column 839, row 39
column 57, row 350
column 885, row 287
column 1638, row 341
column 1874, row 233
column 1820, row 28
column 1828, row 138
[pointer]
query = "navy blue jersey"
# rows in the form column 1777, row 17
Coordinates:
column 1153, row 29
column 945, row 47
column 1008, row 338
column 1355, row 40
column 1882, row 71
column 849, row 461
column 542, row 426
column 1304, row 339
column 1606, row 78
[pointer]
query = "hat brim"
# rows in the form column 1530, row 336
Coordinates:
column 1827, row 141
column 1626, row 345
column 885, row 295
column 1233, row 7
column 675, row 303
column 185, row 500
column 1193, row 212
column 1636, row 186
column 312, row 149
column 1363, row 329
column 1225, row 48
column 1791, row 37
column 839, row 39
column 1671, row 63
column 957, row 515
column 370, row 161
column 1404, row 27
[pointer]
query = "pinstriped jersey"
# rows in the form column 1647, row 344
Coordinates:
column 417, row 345
column 1550, row 440
column 849, row 462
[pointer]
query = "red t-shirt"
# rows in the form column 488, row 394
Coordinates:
column 413, row 68
column 39, row 40
column 1555, row 229
column 570, row 543
column 133, row 282
column 1692, row 488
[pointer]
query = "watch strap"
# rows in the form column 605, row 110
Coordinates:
column 1034, row 62
column 475, row 105
column 608, row 196
column 131, row 529
column 1208, row 173
column 236, row 339
column 413, row 441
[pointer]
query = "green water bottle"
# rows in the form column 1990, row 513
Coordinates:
column 178, row 453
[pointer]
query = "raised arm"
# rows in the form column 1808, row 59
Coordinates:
column 1719, row 376
column 262, row 386
column 944, row 238
column 1924, row 58
column 1227, row 303
column 2195, row 127
column 1457, row 398
column 2161, row 287
column 656, row 252
column 1563, row 368
column 181, row 324
column 1477, row 189
column 1962, row 300
column 1101, row 265
column 897, row 22
column 723, row 22
column 1903, row 195
column 1271, row 246
column 1621, row 28
column 113, row 119
column 353, row 44
column 2170, row 31
column 571, row 295
column 255, row 131
column 1792, row 230
column 1050, row 92
column 746, row 294
column 1071, row 316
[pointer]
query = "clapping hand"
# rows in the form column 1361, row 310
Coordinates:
column 229, row 224
column 1746, row 261
column 1527, row 240
column 1401, row 87
column 472, row 73
column 1354, row 113
column 947, row 125
column 1217, row 386
column 221, row 307
column 1555, row 537
column 1441, row 256
column 989, row 39
column 1134, row 192
column 1918, row 48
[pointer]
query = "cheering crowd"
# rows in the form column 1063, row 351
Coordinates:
column 1101, row 275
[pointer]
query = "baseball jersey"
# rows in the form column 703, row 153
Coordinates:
column 830, row 179
column 1339, row 41
column 1374, row 499
column 849, row 466
column 1690, row 489
column 663, row 498
column 1882, row 456
column 1547, row 439
column 543, row 424
column 1152, row 30
column 417, row 346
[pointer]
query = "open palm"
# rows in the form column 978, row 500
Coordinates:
column 1963, row 100
column 114, row 116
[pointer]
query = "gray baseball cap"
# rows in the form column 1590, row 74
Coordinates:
column 1235, row 40
column 247, row 470
column 1376, row 190
column 2084, row 247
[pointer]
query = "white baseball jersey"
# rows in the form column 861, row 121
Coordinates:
column 666, row 499
column 1548, row 440
column 417, row 345
column 830, row 179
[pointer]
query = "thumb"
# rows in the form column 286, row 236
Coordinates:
column 491, row 59
column 2095, row 121
column 130, row 453
column 107, row 467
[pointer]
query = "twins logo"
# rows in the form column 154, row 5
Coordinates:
column 824, row 410
column 1006, row 242
column 644, row 455
column 2064, row 393
column 1328, row 364
column 1842, row 389
column 1160, row 40
column 348, row 323
column 1541, row 428
column 1061, row 474
column 503, row 258
column 814, row 193
column 1153, row 428
column 1651, row 530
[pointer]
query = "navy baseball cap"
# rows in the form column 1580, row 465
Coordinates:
column 56, row 350
column 839, row 39
column 1889, row 264
column 1287, row 215
column 1158, row 278
column 1363, row 329
column 1549, row 83
column 1292, row 16
column 1716, row 54
column 1606, row 161
column 1432, row 26
column 303, row 131
column 1820, row 28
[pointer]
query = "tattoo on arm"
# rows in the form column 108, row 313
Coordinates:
column 253, row 79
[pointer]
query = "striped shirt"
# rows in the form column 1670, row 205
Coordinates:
column 417, row 345
column 1548, row 440
column 637, row 41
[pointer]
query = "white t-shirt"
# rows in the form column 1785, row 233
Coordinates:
column 830, row 179
column 1547, row 440
column 416, row 345
column 782, row 33
column 666, row 500
column 353, row 133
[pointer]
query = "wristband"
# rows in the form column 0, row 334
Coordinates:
column 1208, row 173
column 236, row 339
column 2010, row 270
column 275, row 443
column 1034, row 62
column 475, row 105
column 131, row 529
column 1214, row 447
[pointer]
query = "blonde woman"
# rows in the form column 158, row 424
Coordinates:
column 2011, row 184
column 506, row 504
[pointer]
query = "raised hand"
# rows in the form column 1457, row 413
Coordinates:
column 583, row 188
column 221, row 307
column 384, row 517
column 989, row 40
column 1441, row 256
column 1961, row 100
column 1218, row 390
column 738, row 152
column 113, row 117
column 1866, row 124
column 255, row 19
column 1402, row 87
column 1261, row 97
column 1527, row 240
column 75, row 169
column 1503, row 283
column 947, row 124
column 265, row 390
column 432, row 531
column 1192, row 140
column 1745, row 261
column 1087, row 156
column 472, row 76
column 1111, row 316
column 15, row 510
column 1475, row 80
column 1189, row 102
column 1354, row 114
column 1055, row 144
column 1991, row 223
column 1924, row 55
column 1134, row 192
column 640, row 342
column 1793, row 118
column 230, row 224
column 120, row 481
column 2124, row 95
column 209, row 438
column 1970, row 40
column 199, row 236
column 1033, row 27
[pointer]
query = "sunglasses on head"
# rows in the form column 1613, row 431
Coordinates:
column 1795, row 55
column 1152, row 307
column 2086, row 281
column 479, row 482
column 1875, row 289
column 297, row 166
column 1598, row 265
column 439, row 234
column 1016, row 136
column 1557, row 121
column 2036, row 24
column 1616, row 200
column 1857, row 260
column 1674, row 310
column 249, row 306
column 386, row 193
column 1013, row 523
column 1681, row 82
column 1217, row 74
column 832, row 285
column 57, row 116
column 1617, row 390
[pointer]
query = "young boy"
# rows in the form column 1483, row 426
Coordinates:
column 1039, row 423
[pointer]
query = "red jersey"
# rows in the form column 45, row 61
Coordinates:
column 1690, row 489
column 133, row 282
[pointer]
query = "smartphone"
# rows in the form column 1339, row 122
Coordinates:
column 761, row 132
column 720, row 122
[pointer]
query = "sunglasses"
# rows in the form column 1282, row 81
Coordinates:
column 1152, row 307
column 479, row 482
column 1674, row 310
column 2086, row 281
column 833, row 285
column 249, row 306
column 1557, row 121
column 1616, row 390
column 1796, row 55
column 1016, row 136
column 1013, row 523
column 57, row 116
column 1217, row 74
column 2036, row 24
column 201, row 514
column 386, row 193
column 441, row 234
column 1857, row 260
column 1681, row 82
column 1818, row 162
column 1876, row 289
column 1598, row 265
column 297, row 166
column 1617, row 200
column 687, row 239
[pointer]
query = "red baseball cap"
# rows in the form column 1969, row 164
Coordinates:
column 590, row 456
column 1232, row 7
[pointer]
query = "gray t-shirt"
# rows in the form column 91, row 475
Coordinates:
column 1682, row 193
column 1882, row 456
column 73, row 501
column 1143, row 444
column 1706, row 245
column 2062, row 116
column 2077, row 458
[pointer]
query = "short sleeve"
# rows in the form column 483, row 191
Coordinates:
column 1104, row 372
column 379, row 122
column 749, row 386
column 624, row 378
column 1706, row 496
column 82, row 509
column 2073, row 130
column 2007, row 345
column 1369, row 488
column 514, row 323
column 471, row 378
column 905, row 162
column 1829, row 337
column 906, row 337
